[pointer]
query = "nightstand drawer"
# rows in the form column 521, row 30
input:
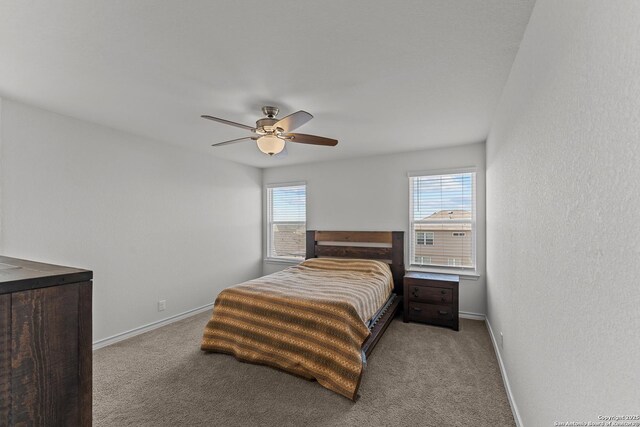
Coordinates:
column 430, row 295
column 430, row 312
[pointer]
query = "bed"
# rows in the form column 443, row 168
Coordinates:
column 320, row 319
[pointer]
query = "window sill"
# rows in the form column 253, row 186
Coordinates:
column 464, row 274
column 290, row 261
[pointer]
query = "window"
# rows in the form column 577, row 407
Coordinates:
column 443, row 219
column 422, row 260
column 286, row 221
column 424, row 237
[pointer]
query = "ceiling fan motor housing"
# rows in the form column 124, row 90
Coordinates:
column 266, row 125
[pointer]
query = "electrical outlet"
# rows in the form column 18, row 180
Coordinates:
column 162, row 305
column 501, row 341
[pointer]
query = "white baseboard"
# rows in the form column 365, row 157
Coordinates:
column 505, row 379
column 149, row 327
column 470, row 315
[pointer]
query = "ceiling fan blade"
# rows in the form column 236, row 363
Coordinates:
column 310, row 139
column 232, row 141
column 228, row 122
column 293, row 121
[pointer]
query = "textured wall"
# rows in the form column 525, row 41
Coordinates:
column 151, row 220
column 372, row 193
column 563, row 235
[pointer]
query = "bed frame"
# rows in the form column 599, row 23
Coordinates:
column 381, row 245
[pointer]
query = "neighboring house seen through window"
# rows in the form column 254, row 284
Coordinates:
column 443, row 219
column 286, row 221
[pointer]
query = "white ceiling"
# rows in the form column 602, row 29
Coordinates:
column 380, row 76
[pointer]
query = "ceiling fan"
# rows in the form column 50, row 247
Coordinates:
column 272, row 133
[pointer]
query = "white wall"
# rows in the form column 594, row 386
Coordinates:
column 563, row 235
column 1, row 184
column 153, row 221
column 372, row 193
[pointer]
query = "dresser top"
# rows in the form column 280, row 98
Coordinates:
column 21, row 275
column 432, row 276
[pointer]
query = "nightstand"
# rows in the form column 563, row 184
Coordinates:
column 431, row 298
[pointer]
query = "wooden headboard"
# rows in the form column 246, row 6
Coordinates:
column 389, row 246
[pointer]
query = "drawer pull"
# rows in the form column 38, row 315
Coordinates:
column 443, row 312
column 417, row 309
column 443, row 292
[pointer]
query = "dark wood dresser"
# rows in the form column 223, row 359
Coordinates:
column 431, row 298
column 45, row 344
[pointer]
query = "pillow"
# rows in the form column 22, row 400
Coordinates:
column 348, row 264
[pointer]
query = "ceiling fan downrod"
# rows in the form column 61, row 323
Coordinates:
column 270, row 112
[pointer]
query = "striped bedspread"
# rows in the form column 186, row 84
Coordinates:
column 308, row 320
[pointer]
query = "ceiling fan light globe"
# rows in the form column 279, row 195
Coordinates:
column 270, row 144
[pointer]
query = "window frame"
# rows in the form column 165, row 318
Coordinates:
column 460, row 270
column 268, row 222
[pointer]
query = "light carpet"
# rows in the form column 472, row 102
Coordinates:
column 418, row 375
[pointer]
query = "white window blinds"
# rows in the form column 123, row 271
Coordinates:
column 443, row 228
column 286, row 221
